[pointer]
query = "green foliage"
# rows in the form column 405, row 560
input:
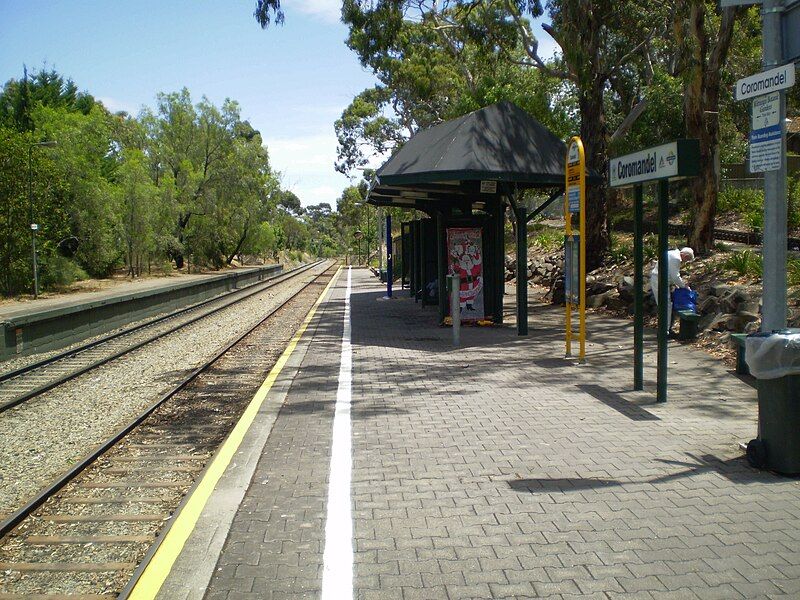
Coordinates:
column 793, row 189
column 548, row 240
column 650, row 246
column 745, row 263
column 182, row 178
column 59, row 272
column 793, row 271
column 747, row 203
column 620, row 251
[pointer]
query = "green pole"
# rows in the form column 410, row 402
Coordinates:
column 500, row 249
column 441, row 264
column 663, row 289
column 522, row 271
column 638, row 292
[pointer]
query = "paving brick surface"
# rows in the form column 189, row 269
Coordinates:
column 501, row 470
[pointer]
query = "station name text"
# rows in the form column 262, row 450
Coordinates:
column 643, row 166
column 762, row 85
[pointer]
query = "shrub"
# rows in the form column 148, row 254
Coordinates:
column 745, row 262
column 548, row 240
column 747, row 203
column 57, row 272
column 793, row 271
column 619, row 251
column 793, row 187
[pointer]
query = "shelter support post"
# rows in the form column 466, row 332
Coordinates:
column 441, row 264
column 638, row 291
column 522, row 270
column 500, row 279
column 663, row 289
column 389, row 262
column 421, row 257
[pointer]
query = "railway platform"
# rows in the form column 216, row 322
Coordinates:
column 382, row 462
column 53, row 323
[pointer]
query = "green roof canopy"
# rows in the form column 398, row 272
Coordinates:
column 447, row 162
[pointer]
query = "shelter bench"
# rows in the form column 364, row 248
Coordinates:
column 741, row 364
column 688, row 330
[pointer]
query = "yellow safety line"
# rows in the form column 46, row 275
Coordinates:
column 161, row 564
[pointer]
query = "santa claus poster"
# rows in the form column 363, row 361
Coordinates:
column 465, row 259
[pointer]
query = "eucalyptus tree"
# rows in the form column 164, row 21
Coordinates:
column 192, row 145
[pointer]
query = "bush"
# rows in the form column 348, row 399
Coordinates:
column 793, row 272
column 548, row 240
column 747, row 203
column 793, row 187
column 58, row 272
column 619, row 251
column 745, row 262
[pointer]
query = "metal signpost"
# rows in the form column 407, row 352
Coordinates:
column 768, row 156
column 575, row 245
column 669, row 161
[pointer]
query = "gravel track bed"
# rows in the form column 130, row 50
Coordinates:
column 19, row 362
column 46, row 435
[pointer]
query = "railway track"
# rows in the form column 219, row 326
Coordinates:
column 34, row 379
column 85, row 535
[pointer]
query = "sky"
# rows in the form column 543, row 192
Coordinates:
column 292, row 81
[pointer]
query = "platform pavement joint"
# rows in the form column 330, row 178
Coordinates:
column 500, row 470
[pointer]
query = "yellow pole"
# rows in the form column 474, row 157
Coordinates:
column 567, row 235
column 582, row 277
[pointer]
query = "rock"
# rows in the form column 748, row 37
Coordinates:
column 715, row 321
column 738, row 321
column 719, row 289
column 708, row 305
column 752, row 327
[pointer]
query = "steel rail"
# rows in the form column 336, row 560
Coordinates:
column 247, row 293
column 11, row 522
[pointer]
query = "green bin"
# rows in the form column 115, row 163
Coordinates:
column 778, row 445
column 779, row 423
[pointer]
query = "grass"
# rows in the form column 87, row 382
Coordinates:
column 548, row 240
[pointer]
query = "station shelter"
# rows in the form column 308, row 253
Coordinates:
column 464, row 175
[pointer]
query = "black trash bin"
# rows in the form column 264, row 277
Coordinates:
column 778, row 445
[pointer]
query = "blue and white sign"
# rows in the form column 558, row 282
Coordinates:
column 765, row 134
column 574, row 200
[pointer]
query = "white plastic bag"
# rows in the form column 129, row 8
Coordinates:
column 770, row 357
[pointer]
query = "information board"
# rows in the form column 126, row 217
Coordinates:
column 765, row 134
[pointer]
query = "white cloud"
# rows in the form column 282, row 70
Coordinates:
column 306, row 166
column 326, row 10
column 114, row 105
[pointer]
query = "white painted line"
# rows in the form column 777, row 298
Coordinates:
column 337, row 574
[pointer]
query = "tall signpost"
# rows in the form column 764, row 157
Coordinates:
column 768, row 156
column 575, row 245
column 669, row 161
column 781, row 44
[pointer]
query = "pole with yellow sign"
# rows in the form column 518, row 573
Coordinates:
column 575, row 246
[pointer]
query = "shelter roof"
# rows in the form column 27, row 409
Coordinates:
column 447, row 162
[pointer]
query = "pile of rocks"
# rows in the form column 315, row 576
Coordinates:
column 542, row 270
column 734, row 308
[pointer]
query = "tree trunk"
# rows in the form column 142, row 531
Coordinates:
column 701, row 107
column 594, row 135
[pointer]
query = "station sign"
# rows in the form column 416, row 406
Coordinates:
column 575, row 182
column 680, row 158
column 488, row 187
column 765, row 134
column 779, row 78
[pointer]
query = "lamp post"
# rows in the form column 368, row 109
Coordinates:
column 34, row 225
